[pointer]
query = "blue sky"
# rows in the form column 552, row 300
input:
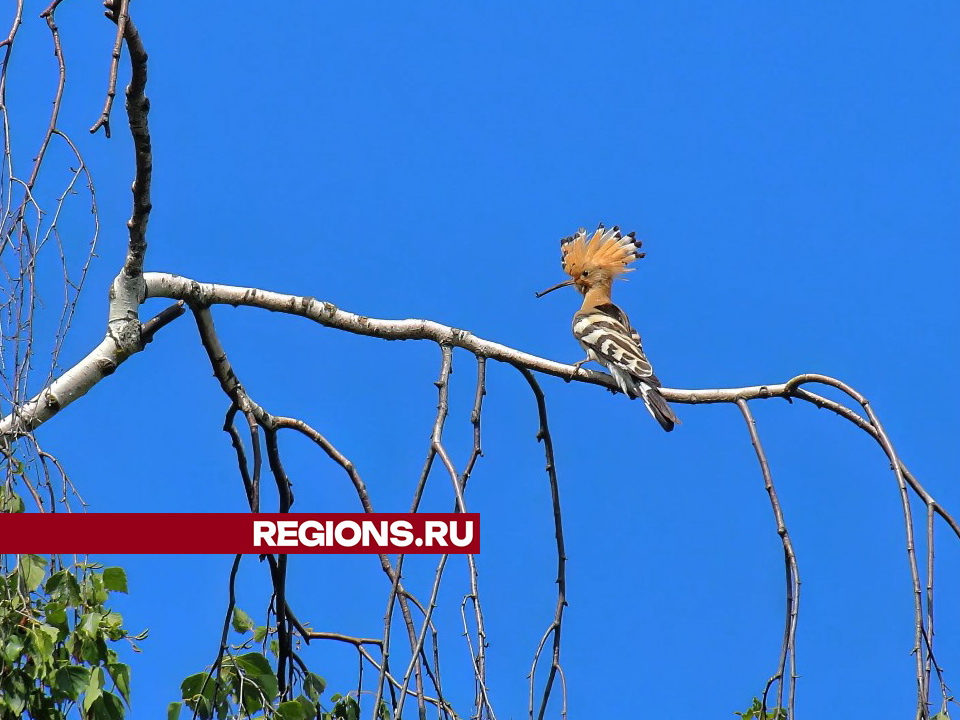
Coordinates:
column 794, row 173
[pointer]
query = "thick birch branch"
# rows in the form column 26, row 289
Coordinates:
column 194, row 293
column 112, row 351
column 121, row 343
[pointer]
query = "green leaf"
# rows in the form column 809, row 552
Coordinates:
column 92, row 590
column 120, row 674
column 89, row 624
column 173, row 710
column 254, row 663
column 71, row 680
column 17, row 704
column 96, row 678
column 115, row 579
column 42, row 637
column 314, row 686
column 93, row 651
column 112, row 624
column 291, row 710
column 260, row 633
column 347, row 708
column 242, row 622
column 55, row 613
column 942, row 715
column 90, row 697
column 63, row 587
column 267, row 684
column 191, row 685
column 10, row 502
column 252, row 688
column 107, row 707
column 309, row 708
column 13, row 649
column 31, row 569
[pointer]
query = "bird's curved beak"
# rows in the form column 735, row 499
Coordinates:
column 555, row 287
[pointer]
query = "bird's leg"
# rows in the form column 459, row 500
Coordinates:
column 577, row 366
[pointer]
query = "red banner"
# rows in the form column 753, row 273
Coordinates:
column 245, row 533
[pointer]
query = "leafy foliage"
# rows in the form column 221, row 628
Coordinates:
column 55, row 642
column 757, row 711
column 244, row 685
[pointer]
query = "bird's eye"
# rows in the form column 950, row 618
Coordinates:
column 584, row 273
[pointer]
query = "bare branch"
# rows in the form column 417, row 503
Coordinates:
column 789, row 646
column 48, row 15
column 543, row 435
column 161, row 320
column 359, row 644
column 138, row 107
column 475, row 417
column 478, row 656
column 413, row 669
column 393, row 573
column 78, row 380
column 334, row 454
column 214, row 673
column 17, row 19
column 436, row 438
column 127, row 291
column 903, row 479
column 271, row 424
column 118, row 14
column 253, row 495
column 316, row 635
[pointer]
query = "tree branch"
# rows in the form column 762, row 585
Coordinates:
column 138, row 107
column 127, row 291
column 556, row 626
column 789, row 646
column 111, row 353
column 176, row 287
column 118, row 14
column 159, row 321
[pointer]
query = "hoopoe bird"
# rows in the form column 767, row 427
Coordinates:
column 602, row 328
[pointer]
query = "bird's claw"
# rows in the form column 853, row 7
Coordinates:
column 576, row 369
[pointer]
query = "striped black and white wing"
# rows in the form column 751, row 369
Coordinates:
column 605, row 333
column 635, row 336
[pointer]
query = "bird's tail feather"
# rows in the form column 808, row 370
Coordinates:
column 658, row 407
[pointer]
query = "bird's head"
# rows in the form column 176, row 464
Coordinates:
column 596, row 260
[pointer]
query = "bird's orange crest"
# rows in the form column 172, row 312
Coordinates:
column 607, row 250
